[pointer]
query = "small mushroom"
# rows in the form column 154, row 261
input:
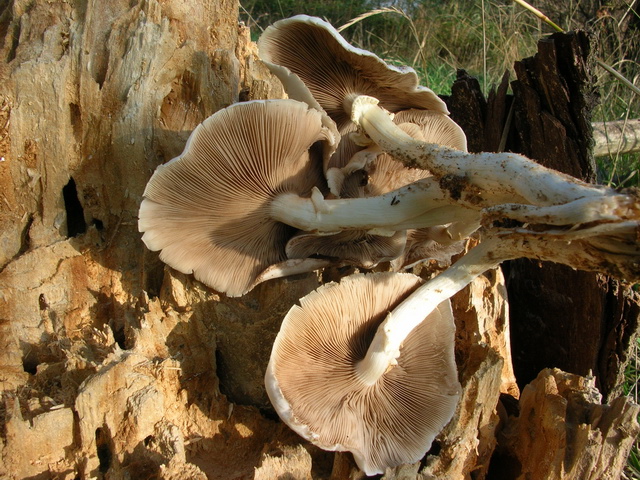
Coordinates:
column 208, row 210
column 314, row 384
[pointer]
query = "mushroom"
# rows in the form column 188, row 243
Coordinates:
column 313, row 382
column 370, row 173
column 207, row 210
column 334, row 72
column 223, row 210
column 302, row 378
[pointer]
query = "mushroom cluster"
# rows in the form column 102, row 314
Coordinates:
column 362, row 165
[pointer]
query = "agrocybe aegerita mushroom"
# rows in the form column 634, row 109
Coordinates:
column 208, row 210
column 553, row 216
column 494, row 186
column 314, row 383
column 224, row 209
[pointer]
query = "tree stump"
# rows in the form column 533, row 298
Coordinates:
column 113, row 365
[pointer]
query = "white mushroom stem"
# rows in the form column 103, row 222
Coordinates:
column 610, row 247
column 385, row 346
column 420, row 204
column 501, row 177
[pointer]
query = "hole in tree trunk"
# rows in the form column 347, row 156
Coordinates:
column 103, row 438
column 76, row 224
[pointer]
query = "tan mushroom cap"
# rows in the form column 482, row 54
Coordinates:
column 332, row 69
column 207, row 210
column 386, row 173
column 312, row 383
column 434, row 127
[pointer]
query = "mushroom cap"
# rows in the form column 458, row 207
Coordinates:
column 385, row 173
column 208, row 209
column 312, row 383
column 332, row 69
column 434, row 127
column 353, row 247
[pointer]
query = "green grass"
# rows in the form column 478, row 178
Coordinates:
column 631, row 388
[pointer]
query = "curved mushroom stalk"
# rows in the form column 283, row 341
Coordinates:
column 420, row 204
column 484, row 179
column 312, row 382
column 601, row 246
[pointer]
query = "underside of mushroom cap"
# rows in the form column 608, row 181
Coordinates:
column 434, row 127
column 351, row 247
column 311, row 378
column 208, row 209
column 333, row 70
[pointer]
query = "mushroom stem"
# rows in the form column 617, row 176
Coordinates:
column 502, row 177
column 385, row 346
column 609, row 247
column 420, row 204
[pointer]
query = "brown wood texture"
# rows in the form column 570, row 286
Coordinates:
column 577, row 321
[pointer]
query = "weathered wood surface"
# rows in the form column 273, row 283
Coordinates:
column 113, row 366
column 616, row 137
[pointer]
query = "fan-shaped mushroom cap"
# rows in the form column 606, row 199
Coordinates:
column 334, row 71
column 312, row 383
column 207, row 210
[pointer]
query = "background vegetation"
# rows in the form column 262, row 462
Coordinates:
column 485, row 37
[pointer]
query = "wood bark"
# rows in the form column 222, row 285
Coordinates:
column 115, row 366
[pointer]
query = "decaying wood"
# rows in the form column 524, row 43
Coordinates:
column 616, row 137
column 113, row 366
column 563, row 432
column 548, row 118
